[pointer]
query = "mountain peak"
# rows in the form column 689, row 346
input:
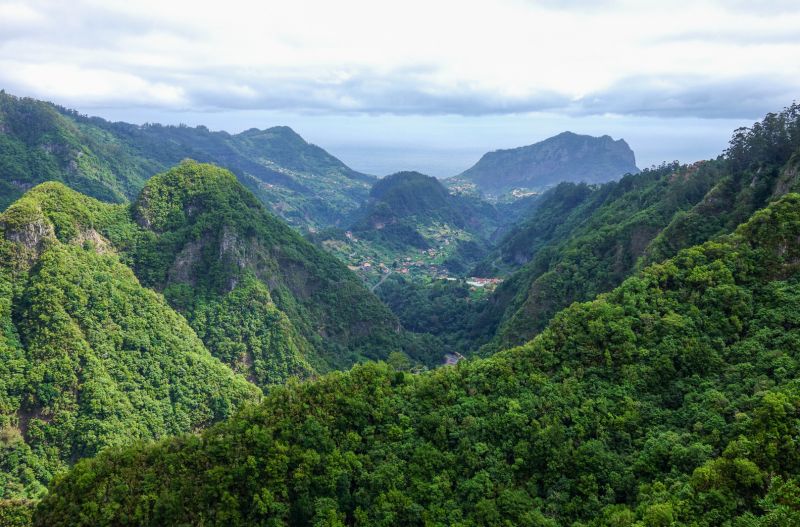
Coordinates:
column 564, row 157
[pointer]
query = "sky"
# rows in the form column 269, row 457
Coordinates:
column 427, row 85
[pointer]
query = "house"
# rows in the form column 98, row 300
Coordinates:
column 483, row 282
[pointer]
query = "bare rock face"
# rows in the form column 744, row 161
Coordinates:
column 29, row 229
column 97, row 241
column 31, row 235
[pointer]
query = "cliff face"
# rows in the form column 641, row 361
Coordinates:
column 565, row 157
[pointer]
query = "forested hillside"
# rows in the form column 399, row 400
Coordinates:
column 581, row 240
column 205, row 237
column 88, row 356
column 411, row 217
column 668, row 397
column 672, row 400
column 93, row 356
column 41, row 142
column 259, row 295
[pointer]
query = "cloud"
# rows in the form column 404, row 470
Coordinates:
column 416, row 58
column 692, row 96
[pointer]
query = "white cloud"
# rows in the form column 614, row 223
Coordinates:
column 417, row 56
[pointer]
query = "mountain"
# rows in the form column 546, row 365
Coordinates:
column 200, row 236
column 298, row 181
column 581, row 242
column 412, row 225
column 671, row 400
column 88, row 356
column 407, row 202
column 565, row 157
column 259, row 295
column 126, row 322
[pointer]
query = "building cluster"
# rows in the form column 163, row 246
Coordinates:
column 483, row 282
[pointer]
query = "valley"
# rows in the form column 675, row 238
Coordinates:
column 261, row 335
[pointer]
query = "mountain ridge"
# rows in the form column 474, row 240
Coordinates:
column 41, row 141
column 618, row 394
column 564, row 157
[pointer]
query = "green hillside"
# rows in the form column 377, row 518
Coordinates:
column 38, row 142
column 411, row 225
column 204, row 236
column 581, row 241
column 88, row 356
column 92, row 356
column 673, row 400
column 261, row 297
column 41, row 142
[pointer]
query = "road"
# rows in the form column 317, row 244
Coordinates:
column 383, row 279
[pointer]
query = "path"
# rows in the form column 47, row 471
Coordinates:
column 383, row 279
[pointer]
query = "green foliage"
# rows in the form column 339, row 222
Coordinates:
column 88, row 357
column 582, row 241
column 247, row 332
column 594, row 247
column 672, row 400
column 401, row 205
column 206, row 232
column 39, row 143
column 444, row 309
column 16, row 513
column 91, row 358
column 111, row 161
column 761, row 164
column 220, row 258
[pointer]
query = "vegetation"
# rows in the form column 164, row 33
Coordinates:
column 89, row 357
column 206, row 235
column 672, row 400
column 111, row 161
column 38, row 143
column 444, row 309
column 252, row 288
column 413, row 226
column 129, row 332
column 565, row 157
column 581, row 241
column 92, row 356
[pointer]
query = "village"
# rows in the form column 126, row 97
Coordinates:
column 373, row 265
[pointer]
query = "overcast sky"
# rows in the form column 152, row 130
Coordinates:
column 416, row 84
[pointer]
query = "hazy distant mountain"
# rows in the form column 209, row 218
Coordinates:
column 40, row 141
column 565, row 157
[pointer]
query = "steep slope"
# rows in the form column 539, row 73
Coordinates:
column 262, row 298
column 39, row 142
column 565, row 157
column 673, row 400
column 762, row 164
column 88, row 357
column 111, row 161
column 590, row 250
column 643, row 218
column 205, row 236
column 408, row 212
column 553, row 216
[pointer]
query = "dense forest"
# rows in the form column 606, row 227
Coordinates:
column 298, row 181
column 673, row 400
column 174, row 353
column 137, row 321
